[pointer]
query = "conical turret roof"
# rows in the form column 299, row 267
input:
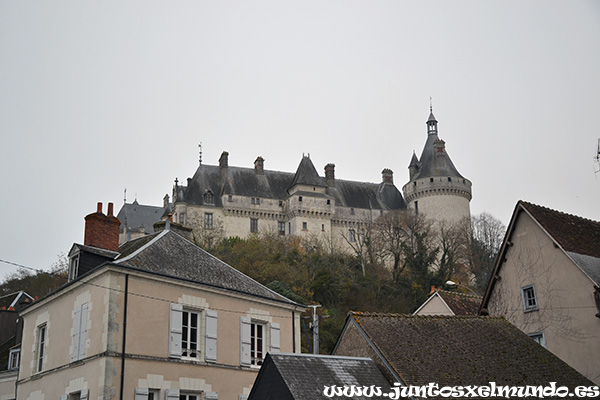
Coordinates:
column 306, row 174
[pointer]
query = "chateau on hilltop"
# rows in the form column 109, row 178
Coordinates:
column 239, row 201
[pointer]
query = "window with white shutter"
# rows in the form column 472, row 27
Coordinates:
column 175, row 330
column 211, row 336
column 275, row 338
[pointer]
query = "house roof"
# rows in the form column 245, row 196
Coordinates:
column 578, row 237
column 15, row 300
column 465, row 350
column 168, row 253
column 239, row 181
column 304, row 376
column 458, row 303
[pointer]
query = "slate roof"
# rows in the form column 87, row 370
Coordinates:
column 304, row 376
column 429, row 168
column 466, row 350
column 135, row 215
column 239, row 181
column 167, row 253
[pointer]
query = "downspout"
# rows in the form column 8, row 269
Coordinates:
column 293, row 331
column 124, row 335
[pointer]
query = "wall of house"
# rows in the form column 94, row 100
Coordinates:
column 566, row 308
column 7, row 385
column 149, row 363
column 435, row 306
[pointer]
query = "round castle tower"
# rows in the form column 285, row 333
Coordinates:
column 436, row 188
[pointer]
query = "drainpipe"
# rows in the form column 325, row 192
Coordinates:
column 124, row 335
column 293, row 331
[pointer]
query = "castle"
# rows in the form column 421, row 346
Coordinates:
column 239, row 201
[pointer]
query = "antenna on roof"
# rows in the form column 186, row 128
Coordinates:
column 200, row 153
column 125, row 196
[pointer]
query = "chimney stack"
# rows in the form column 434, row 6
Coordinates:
column 330, row 174
column 224, row 160
column 259, row 166
column 102, row 231
column 387, row 176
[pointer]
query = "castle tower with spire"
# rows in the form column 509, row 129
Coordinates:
column 436, row 188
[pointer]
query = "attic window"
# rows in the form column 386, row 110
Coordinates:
column 73, row 268
column 230, row 198
column 328, row 202
column 299, row 198
column 209, row 198
column 539, row 337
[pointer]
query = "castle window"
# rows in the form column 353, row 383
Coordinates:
column 352, row 211
column 304, row 226
column 280, row 203
column 322, row 227
column 281, row 228
column 352, row 235
column 449, row 179
column 209, row 198
column 208, row 220
column 253, row 225
column 257, row 200
column 328, row 202
column 299, row 198
column 431, row 180
column 253, row 201
column 182, row 218
column 230, row 198
column 416, row 207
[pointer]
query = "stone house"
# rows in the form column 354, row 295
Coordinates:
column 452, row 351
column 156, row 318
column 546, row 281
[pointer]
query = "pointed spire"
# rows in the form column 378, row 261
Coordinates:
column 431, row 121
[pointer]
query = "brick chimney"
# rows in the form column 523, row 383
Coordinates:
column 259, row 166
column 101, row 230
column 330, row 174
column 387, row 176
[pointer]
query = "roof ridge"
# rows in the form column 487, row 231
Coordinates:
column 410, row 316
column 527, row 203
column 473, row 296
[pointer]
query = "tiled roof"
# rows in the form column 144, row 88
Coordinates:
column 574, row 234
column 467, row 350
column 304, row 376
column 167, row 253
column 460, row 303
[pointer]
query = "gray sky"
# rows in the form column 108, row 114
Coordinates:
column 96, row 97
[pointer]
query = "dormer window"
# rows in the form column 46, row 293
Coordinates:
column 209, row 198
column 73, row 267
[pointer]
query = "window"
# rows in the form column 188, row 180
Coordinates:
column 153, row 394
column 529, row 299
column 41, row 339
column 416, row 207
column 280, row 203
column 187, row 330
column 352, row 211
column 253, row 225
column 189, row 334
column 253, row 201
column 281, row 228
column 431, row 180
column 13, row 358
column 304, row 226
column 352, row 235
column 209, row 198
column 257, row 200
column 322, row 227
column 74, row 267
column 257, row 349
column 182, row 218
column 80, row 318
column 230, row 198
column 449, row 179
column 254, row 345
column 300, row 198
column 328, row 202
column 188, row 396
column 538, row 337
column 208, row 220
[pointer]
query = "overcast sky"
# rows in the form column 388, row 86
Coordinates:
column 98, row 97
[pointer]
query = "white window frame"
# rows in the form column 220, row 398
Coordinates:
column 14, row 358
column 252, row 350
column 73, row 267
column 42, row 339
column 538, row 337
column 257, row 343
column 188, row 336
column 206, row 333
column 528, row 295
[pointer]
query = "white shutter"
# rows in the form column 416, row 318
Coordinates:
column 141, row 393
column 76, row 334
column 172, row 394
column 84, row 394
column 211, row 336
column 83, row 331
column 175, row 331
column 245, row 341
column 275, row 338
column 211, row 396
